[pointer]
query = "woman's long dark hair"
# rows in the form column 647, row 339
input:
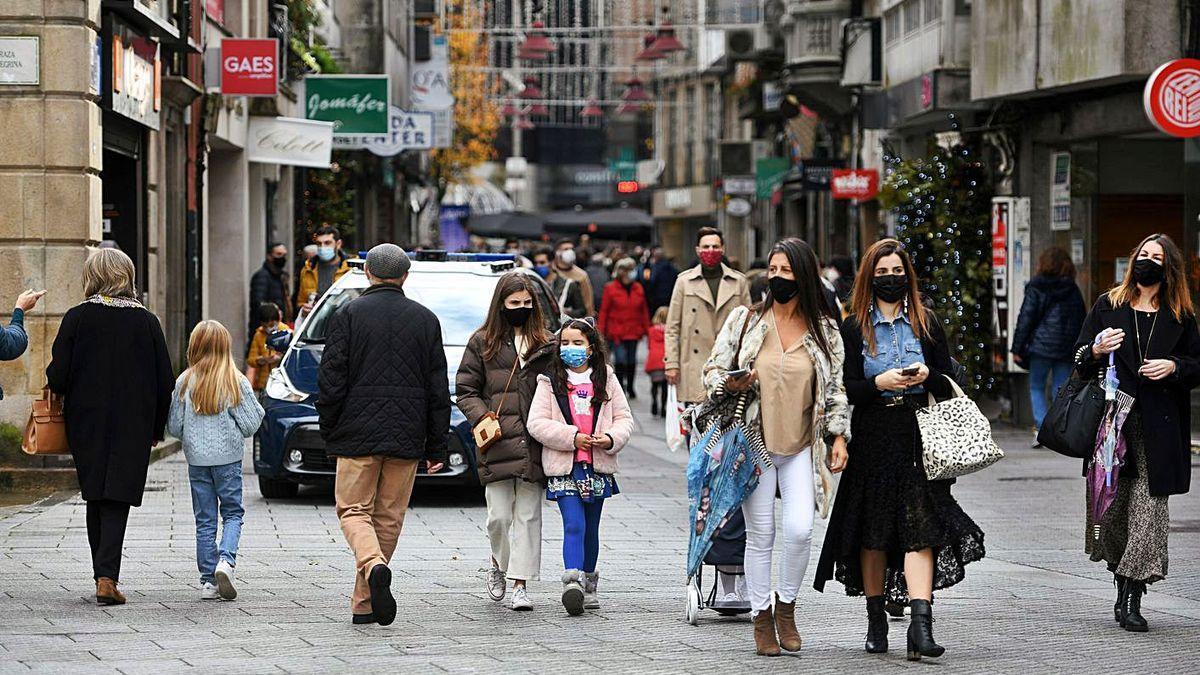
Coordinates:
column 811, row 304
column 496, row 331
column 598, row 361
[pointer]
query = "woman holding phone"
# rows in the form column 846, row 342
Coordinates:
column 892, row 529
column 791, row 354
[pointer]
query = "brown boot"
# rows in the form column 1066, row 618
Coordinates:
column 765, row 643
column 107, row 593
column 785, row 624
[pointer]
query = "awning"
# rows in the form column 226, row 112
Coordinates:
column 626, row 222
column 512, row 224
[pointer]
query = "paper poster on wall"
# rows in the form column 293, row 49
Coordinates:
column 1060, row 191
column 1119, row 268
column 1077, row 251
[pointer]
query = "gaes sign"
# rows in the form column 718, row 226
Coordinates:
column 854, row 183
column 1172, row 98
column 249, row 67
column 356, row 104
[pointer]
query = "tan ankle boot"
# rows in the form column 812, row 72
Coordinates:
column 785, row 624
column 107, row 593
column 765, row 642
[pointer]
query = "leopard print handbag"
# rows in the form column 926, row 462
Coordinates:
column 956, row 437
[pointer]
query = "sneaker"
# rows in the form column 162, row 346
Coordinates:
column 224, row 575
column 208, row 591
column 520, row 600
column 497, row 583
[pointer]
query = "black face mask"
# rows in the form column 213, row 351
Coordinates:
column 516, row 316
column 1147, row 272
column 783, row 290
column 890, row 287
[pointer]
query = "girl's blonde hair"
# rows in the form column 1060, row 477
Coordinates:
column 109, row 272
column 211, row 377
column 660, row 316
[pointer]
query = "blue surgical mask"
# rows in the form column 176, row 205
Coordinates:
column 325, row 253
column 573, row 356
column 542, row 270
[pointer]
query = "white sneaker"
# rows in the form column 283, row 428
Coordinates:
column 224, row 576
column 208, row 592
column 497, row 583
column 520, row 600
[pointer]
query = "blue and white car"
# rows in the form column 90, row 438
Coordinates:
column 288, row 449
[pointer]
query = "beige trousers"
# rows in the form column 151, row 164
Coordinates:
column 514, row 524
column 372, row 496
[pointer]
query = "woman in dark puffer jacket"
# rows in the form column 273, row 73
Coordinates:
column 1047, row 327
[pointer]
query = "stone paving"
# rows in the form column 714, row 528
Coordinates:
column 1034, row 605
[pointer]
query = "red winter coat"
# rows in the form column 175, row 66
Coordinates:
column 623, row 312
column 658, row 349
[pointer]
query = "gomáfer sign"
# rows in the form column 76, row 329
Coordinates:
column 356, row 104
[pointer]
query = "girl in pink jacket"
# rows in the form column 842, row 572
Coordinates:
column 581, row 418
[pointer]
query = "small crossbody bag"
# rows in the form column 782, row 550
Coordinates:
column 487, row 430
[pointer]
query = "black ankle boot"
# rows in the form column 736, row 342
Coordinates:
column 877, row 626
column 1131, row 607
column 1119, row 582
column 920, row 632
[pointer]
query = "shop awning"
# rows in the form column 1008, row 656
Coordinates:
column 512, row 224
column 626, row 222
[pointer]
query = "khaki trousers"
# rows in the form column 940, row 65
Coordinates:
column 372, row 495
column 514, row 524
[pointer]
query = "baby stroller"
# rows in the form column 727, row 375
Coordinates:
column 726, row 557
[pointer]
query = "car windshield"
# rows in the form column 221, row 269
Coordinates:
column 459, row 300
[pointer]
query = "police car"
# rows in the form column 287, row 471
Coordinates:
column 457, row 287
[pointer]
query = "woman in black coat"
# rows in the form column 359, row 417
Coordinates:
column 110, row 362
column 1149, row 322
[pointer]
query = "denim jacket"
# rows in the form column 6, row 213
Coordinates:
column 896, row 346
column 13, row 339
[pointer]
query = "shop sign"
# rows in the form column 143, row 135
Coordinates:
column 738, row 185
column 1012, row 266
column 430, row 80
column 1172, row 98
column 817, row 174
column 769, row 173
column 772, row 96
column 289, row 141
column 677, row 199
column 409, row 131
column 249, row 67
column 1060, row 191
column 136, row 84
column 854, row 183
column 738, row 207
column 216, row 10
column 19, row 60
column 356, row 104
column 443, row 127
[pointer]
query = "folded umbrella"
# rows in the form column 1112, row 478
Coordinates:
column 1110, row 444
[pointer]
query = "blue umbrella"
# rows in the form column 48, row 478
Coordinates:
column 720, row 474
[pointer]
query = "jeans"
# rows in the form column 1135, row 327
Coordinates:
column 581, row 532
column 794, row 477
column 106, row 522
column 624, row 352
column 216, row 488
column 1041, row 369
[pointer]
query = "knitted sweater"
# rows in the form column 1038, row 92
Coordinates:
column 213, row 440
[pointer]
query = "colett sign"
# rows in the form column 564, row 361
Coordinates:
column 249, row 67
column 356, row 104
column 1172, row 98
column 854, row 183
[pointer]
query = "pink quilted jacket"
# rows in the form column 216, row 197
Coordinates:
column 557, row 436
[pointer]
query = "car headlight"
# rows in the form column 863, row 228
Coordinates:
column 279, row 387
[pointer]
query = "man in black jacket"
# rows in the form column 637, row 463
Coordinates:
column 384, row 406
column 270, row 284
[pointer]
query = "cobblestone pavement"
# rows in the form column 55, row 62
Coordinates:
column 1033, row 605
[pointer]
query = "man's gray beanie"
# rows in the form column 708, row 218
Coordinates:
column 387, row 261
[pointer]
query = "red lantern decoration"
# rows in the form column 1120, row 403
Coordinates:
column 527, row 54
column 648, row 52
column 531, row 91
column 537, row 109
column 524, row 124
column 592, row 109
column 535, row 41
column 666, row 43
column 634, row 91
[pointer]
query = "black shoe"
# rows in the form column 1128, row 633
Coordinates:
column 920, row 632
column 360, row 619
column 1131, row 607
column 383, row 605
column 654, row 410
column 894, row 609
column 1119, row 582
column 877, row 626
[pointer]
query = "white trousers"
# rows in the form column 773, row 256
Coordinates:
column 514, row 524
column 794, row 478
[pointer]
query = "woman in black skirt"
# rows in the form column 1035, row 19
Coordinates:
column 893, row 534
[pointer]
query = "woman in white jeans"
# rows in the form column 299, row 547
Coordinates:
column 792, row 350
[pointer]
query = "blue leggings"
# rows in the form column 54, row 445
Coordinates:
column 581, row 532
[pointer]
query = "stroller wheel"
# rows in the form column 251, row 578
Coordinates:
column 692, row 610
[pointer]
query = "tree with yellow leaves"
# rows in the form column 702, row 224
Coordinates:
column 476, row 118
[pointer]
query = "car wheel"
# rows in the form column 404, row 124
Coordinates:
column 277, row 489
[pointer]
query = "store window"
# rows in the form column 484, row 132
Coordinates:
column 820, row 34
column 912, row 16
column 891, row 25
column 933, row 11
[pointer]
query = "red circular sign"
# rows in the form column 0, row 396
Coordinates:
column 1172, row 98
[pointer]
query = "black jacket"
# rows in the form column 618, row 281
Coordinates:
column 1051, row 316
column 383, row 383
column 269, row 285
column 1165, row 404
column 111, row 365
column 572, row 305
column 661, row 284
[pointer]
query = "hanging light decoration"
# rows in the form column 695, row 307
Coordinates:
column 509, row 110
column 648, row 52
column 537, row 109
column 536, row 41
column 531, row 91
column 524, row 124
column 666, row 43
column 634, row 91
column 527, row 54
column 592, row 109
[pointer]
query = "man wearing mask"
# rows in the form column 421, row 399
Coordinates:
column 701, row 301
column 270, row 284
column 564, row 266
column 318, row 274
column 568, row 293
column 659, row 279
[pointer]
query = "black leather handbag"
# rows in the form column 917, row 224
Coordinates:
column 1071, row 423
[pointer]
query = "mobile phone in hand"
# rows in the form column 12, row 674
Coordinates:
column 911, row 371
column 738, row 374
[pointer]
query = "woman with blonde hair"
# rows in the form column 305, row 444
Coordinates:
column 110, row 362
column 213, row 411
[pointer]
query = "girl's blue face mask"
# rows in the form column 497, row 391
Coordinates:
column 573, row 356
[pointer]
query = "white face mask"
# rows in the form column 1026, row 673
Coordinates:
column 831, row 274
column 567, row 257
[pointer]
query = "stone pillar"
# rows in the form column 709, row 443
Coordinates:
column 227, row 281
column 50, row 163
